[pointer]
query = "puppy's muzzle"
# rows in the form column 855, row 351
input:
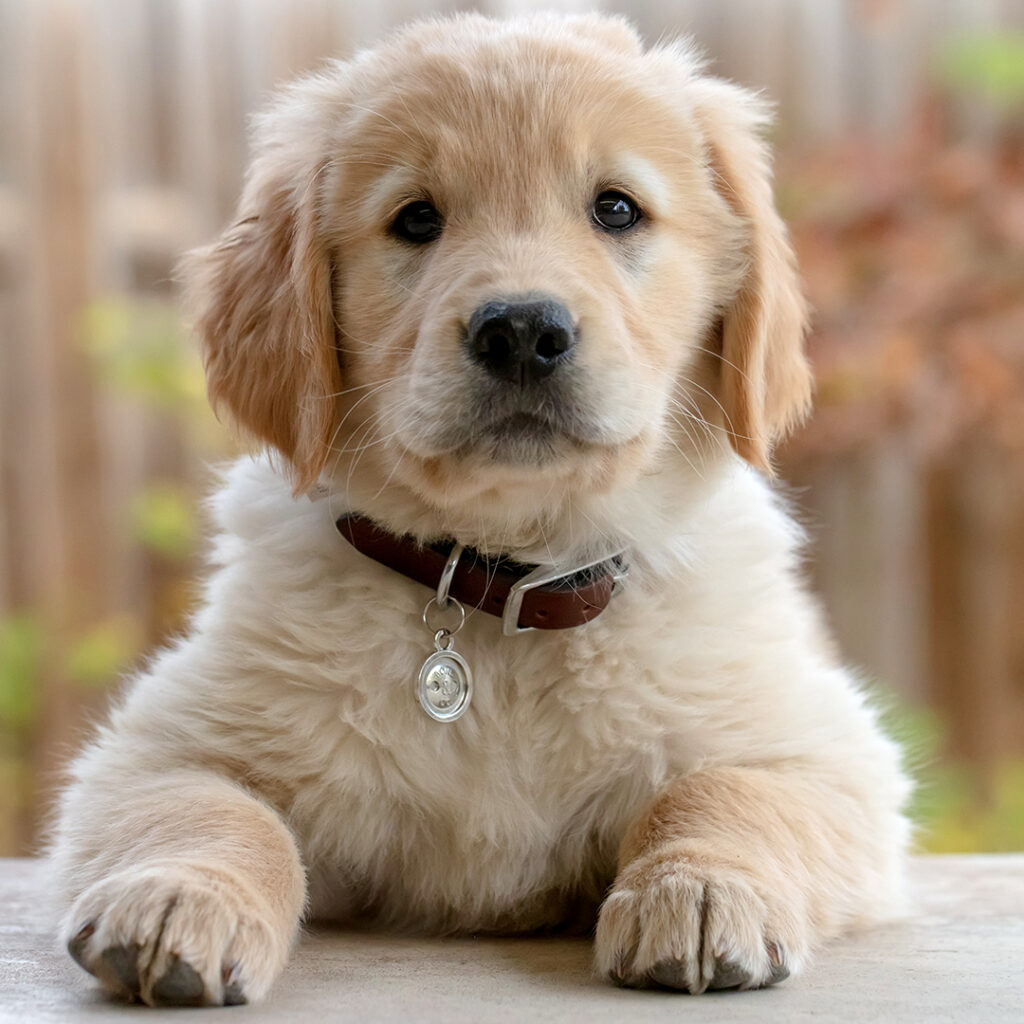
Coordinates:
column 521, row 342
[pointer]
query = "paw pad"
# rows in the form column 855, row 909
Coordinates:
column 123, row 963
column 180, row 985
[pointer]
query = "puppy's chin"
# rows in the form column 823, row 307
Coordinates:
column 523, row 441
column 521, row 469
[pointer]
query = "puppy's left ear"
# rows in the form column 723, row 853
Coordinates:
column 261, row 296
column 765, row 378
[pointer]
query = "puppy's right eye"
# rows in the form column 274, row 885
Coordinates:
column 418, row 222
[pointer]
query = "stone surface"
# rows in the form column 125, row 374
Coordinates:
column 960, row 958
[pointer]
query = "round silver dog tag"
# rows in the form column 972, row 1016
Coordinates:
column 445, row 686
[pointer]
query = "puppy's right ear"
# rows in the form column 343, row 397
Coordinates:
column 260, row 296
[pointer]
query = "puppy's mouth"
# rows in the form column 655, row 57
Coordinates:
column 523, row 430
column 524, row 438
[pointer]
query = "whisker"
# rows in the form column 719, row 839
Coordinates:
column 728, row 418
column 728, row 362
column 675, row 445
column 369, row 431
column 358, row 387
column 387, row 480
column 379, row 386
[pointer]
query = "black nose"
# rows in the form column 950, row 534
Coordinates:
column 521, row 341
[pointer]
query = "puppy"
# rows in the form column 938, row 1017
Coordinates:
column 502, row 300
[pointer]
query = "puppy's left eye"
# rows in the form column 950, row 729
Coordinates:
column 615, row 211
column 418, row 222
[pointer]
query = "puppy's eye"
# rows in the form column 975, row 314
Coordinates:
column 614, row 211
column 418, row 222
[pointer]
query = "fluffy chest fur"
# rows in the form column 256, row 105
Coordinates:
column 300, row 680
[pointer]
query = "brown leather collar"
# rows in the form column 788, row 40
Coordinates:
column 537, row 599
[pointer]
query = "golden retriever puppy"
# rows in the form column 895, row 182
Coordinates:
column 510, row 308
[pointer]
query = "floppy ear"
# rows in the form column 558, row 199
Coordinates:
column 261, row 300
column 765, row 379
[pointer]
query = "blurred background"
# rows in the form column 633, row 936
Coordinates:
column 900, row 145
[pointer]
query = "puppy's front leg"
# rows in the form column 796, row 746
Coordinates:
column 735, row 874
column 185, row 890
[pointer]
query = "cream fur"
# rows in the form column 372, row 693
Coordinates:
column 699, row 740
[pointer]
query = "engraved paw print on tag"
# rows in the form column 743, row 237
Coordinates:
column 445, row 686
column 442, row 686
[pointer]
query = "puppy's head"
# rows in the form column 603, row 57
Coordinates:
column 494, row 264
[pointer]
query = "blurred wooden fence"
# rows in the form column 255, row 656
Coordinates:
column 122, row 144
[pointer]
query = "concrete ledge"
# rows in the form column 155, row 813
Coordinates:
column 960, row 958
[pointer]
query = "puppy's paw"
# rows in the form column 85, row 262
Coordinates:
column 174, row 934
column 685, row 925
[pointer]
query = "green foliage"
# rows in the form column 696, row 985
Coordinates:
column 989, row 65
column 138, row 348
column 964, row 810
column 21, row 645
column 163, row 520
column 956, row 807
column 102, row 652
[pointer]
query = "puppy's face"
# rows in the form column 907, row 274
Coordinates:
column 528, row 256
column 502, row 264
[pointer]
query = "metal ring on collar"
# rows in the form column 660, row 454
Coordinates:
column 432, row 623
column 445, row 582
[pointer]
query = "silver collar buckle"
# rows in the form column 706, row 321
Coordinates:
column 548, row 574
